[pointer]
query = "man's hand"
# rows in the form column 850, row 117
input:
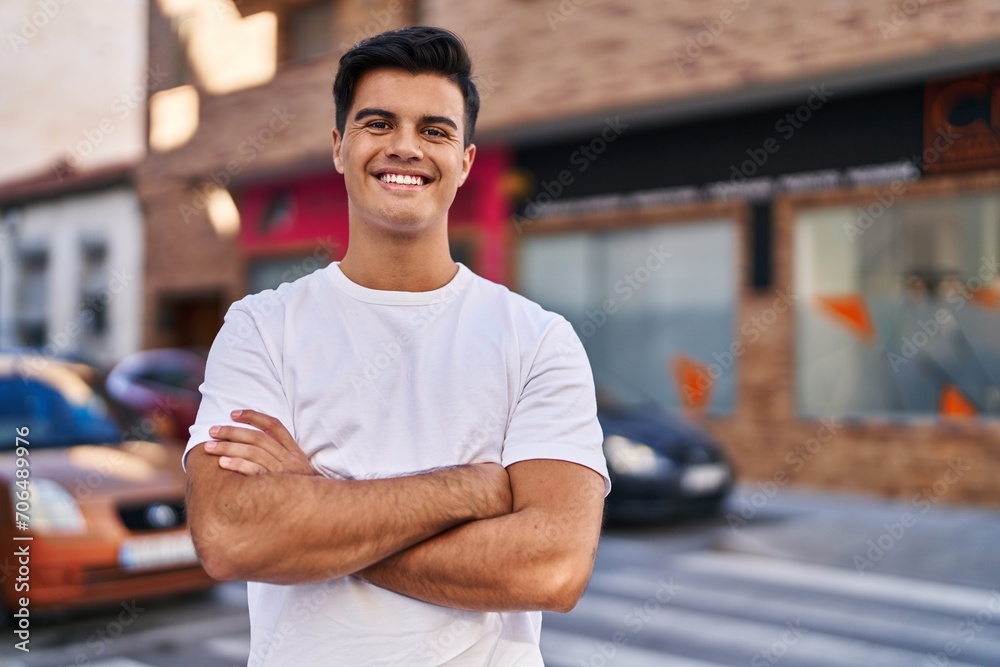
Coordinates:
column 252, row 452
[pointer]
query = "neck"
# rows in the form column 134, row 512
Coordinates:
column 399, row 264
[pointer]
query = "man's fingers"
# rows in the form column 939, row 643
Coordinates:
column 252, row 453
column 268, row 425
column 283, row 455
column 269, row 453
column 247, row 436
column 242, row 466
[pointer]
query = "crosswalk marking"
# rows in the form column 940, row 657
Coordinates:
column 197, row 630
column 749, row 638
column 640, row 585
column 565, row 649
column 110, row 662
column 959, row 600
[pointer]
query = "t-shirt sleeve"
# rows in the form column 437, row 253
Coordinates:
column 240, row 374
column 556, row 415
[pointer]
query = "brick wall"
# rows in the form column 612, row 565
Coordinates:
column 553, row 58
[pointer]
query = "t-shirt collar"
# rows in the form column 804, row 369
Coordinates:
column 389, row 297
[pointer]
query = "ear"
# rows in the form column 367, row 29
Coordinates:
column 467, row 159
column 338, row 144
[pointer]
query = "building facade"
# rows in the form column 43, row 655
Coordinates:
column 778, row 217
column 72, row 235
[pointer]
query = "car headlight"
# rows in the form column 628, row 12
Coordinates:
column 627, row 457
column 52, row 509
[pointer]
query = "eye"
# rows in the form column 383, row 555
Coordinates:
column 379, row 125
column 435, row 132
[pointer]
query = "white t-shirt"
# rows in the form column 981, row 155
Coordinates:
column 377, row 384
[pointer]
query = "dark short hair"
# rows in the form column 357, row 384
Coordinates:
column 418, row 50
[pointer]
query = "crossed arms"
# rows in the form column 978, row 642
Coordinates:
column 475, row 537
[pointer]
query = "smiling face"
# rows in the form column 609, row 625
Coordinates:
column 402, row 153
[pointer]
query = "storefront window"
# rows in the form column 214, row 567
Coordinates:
column 654, row 306
column 271, row 272
column 899, row 307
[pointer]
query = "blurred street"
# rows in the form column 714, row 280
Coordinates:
column 810, row 579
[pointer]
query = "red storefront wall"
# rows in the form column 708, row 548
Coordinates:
column 309, row 213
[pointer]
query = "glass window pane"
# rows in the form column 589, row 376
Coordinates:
column 899, row 307
column 654, row 306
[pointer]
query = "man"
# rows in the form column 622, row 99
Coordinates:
column 423, row 473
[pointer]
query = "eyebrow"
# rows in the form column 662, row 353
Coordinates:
column 441, row 120
column 368, row 112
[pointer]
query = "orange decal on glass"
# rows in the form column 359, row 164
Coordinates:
column 851, row 311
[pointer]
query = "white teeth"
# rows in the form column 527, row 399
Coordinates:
column 402, row 179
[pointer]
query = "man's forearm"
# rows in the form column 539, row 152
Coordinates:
column 297, row 529
column 488, row 565
column 532, row 559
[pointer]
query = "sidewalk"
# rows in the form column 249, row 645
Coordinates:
column 945, row 543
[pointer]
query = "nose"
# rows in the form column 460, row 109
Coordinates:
column 405, row 144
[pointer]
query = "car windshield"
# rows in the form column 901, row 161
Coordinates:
column 59, row 409
column 617, row 395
